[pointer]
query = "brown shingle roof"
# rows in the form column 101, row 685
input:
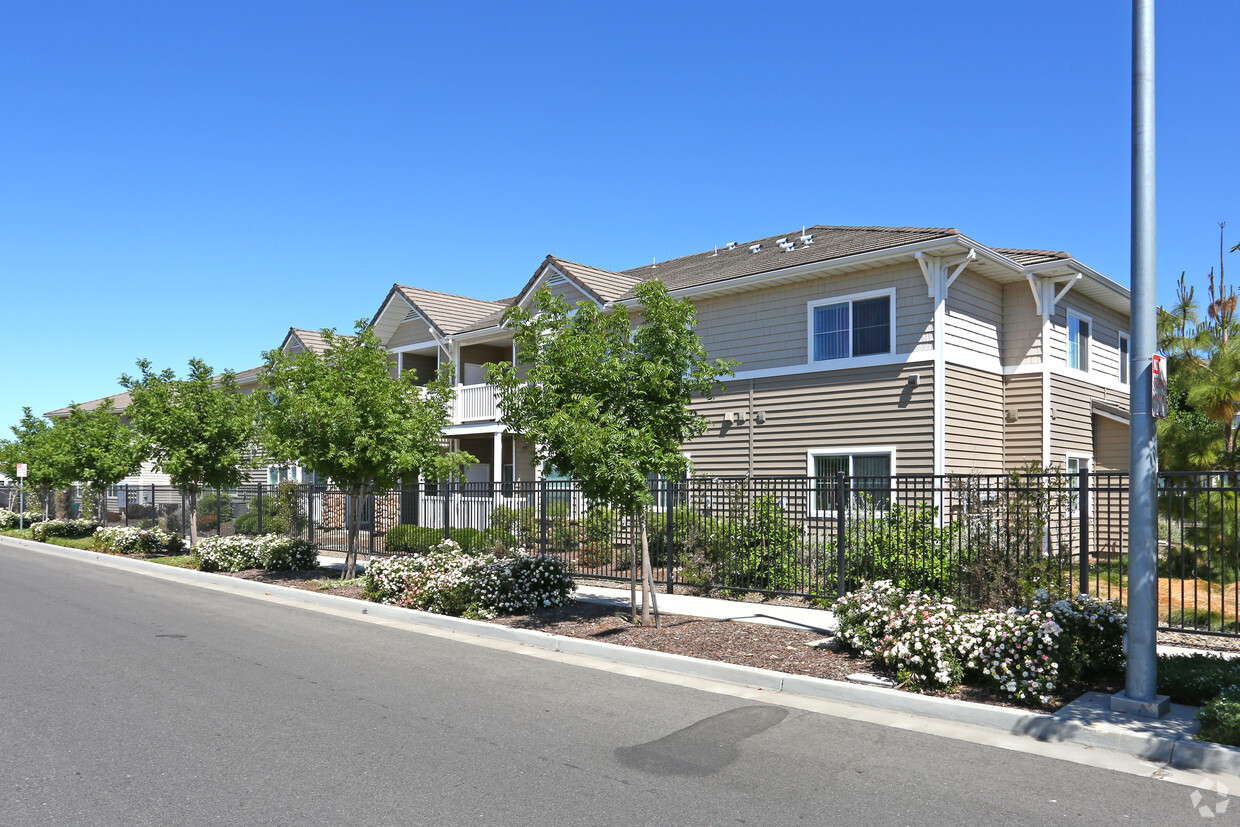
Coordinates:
column 829, row 242
column 450, row 313
column 1031, row 256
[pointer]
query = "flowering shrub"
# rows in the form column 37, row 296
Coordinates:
column 131, row 540
column 522, row 583
column 12, row 519
column 448, row 581
column 1023, row 654
column 63, row 528
column 269, row 551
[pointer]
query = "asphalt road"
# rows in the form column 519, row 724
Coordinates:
column 131, row 700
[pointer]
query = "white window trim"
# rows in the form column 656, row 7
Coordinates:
column 850, row 360
column 850, row 452
column 1119, row 346
column 1067, row 340
column 299, row 477
column 659, row 509
column 1089, row 466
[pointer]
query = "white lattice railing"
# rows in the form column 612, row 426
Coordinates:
column 474, row 403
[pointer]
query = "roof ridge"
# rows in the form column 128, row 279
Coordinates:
column 449, row 295
column 791, row 233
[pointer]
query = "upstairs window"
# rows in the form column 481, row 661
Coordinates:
column 1078, row 342
column 1124, row 357
column 844, row 328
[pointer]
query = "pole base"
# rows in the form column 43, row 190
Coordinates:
column 1121, row 703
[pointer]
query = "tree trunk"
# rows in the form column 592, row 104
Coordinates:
column 633, row 563
column 193, row 516
column 350, row 557
column 648, row 598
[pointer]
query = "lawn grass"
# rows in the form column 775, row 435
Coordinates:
column 182, row 561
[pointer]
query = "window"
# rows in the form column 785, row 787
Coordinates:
column 1078, row 342
column 869, row 474
column 277, row 474
column 661, row 490
column 844, row 328
column 1073, row 466
column 1124, row 357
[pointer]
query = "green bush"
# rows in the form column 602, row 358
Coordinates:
column 762, row 550
column 411, row 539
column 131, row 540
column 1195, row 679
column 904, row 545
column 247, row 523
column 69, row 529
column 600, row 525
column 272, row 552
column 1220, row 718
column 594, row 555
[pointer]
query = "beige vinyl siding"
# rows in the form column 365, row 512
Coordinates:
column 394, row 364
column 413, row 332
column 1105, row 327
column 848, row 409
column 769, row 328
column 974, row 427
column 1022, row 326
column 974, row 315
column 1022, row 442
column 1111, row 447
column 569, row 292
column 524, row 460
column 1072, row 420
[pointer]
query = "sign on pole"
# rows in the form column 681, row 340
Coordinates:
column 1158, row 402
column 21, row 470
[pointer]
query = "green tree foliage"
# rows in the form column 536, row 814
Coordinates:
column 1204, row 375
column 37, row 445
column 342, row 413
column 99, row 449
column 196, row 428
column 604, row 403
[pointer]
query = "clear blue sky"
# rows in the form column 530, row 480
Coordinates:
column 187, row 180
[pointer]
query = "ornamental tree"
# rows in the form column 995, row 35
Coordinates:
column 36, row 444
column 343, row 414
column 196, row 428
column 607, row 404
column 99, row 448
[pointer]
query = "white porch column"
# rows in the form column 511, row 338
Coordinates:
column 497, row 458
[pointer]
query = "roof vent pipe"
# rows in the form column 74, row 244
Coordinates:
column 753, row 248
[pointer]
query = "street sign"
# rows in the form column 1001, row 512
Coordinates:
column 1158, row 400
column 21, row 470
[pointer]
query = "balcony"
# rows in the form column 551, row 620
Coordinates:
column 474, row 403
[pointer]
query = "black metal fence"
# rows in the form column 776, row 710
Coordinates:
column 986, row 540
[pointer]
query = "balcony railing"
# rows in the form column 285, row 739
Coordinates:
column 474, row 403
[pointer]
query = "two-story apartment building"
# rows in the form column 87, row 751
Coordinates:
column 872, row 350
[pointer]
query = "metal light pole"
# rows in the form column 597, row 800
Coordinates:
column 1140, row 695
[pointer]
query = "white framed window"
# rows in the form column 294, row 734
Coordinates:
column 1125, row 354
column 849, row 327
column 277, row 474
column 660, row 490
column 1078, row 341
column 869, row 471
column 1073, row 463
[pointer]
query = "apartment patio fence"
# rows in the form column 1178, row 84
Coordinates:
column 985, row 540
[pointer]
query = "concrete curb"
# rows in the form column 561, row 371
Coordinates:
column 1178, row 751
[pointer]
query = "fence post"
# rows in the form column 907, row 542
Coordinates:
column 260, row 508
column 1083, row 506
column 671, row 556
column 219, row 513
column 542, row 507
column 124, row 507
column 310, row 512
column 841, row 551
column 374, row 521
column 154, row 508
column 445, row 490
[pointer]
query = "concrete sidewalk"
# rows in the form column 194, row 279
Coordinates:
column 769, row 614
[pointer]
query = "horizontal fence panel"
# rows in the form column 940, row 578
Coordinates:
column 984, row 540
